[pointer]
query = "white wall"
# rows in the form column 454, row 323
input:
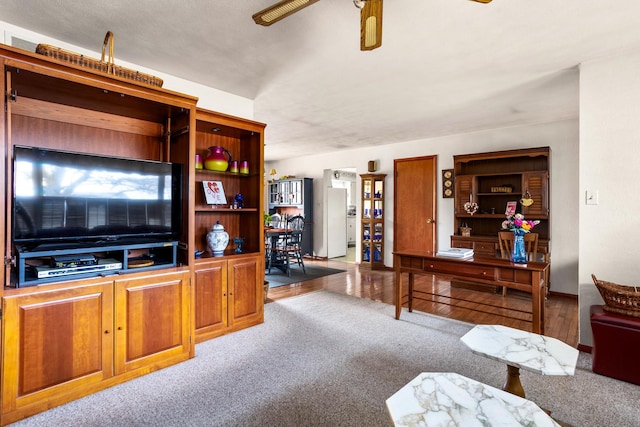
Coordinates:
column 609, row 136
column 561, row 136
column 209, row 98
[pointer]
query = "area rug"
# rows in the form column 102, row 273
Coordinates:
column 279, row 278
column 327, row 359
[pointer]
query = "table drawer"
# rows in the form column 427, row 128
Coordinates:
column 459, row 268
column 461, row 244
column 485, row 248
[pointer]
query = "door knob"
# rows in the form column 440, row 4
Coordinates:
column 430, row 221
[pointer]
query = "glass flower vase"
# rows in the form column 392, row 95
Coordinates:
column 518, row 254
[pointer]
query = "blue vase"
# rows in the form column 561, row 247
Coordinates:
column 518, row 255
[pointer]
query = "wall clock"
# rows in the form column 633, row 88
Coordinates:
column 447, row 183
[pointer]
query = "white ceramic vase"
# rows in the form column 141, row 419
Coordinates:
column 217, row 239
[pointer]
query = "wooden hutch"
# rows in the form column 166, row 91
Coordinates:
column 492, row 180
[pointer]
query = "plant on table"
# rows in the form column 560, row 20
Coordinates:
column 518, row 224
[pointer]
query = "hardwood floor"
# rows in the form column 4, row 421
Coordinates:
column 561, row 312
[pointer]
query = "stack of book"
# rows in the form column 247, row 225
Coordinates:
column 461, row 253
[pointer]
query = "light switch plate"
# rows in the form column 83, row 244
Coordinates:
column 591, row 197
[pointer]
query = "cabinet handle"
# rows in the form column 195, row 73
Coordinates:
column 119, row 328
column 430, row 265
column 107, row 331
column 430, row 221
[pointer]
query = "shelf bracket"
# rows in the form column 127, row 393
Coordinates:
column 177, row 132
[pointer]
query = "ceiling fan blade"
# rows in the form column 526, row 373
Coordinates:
column 371, row 25
column 280, row 11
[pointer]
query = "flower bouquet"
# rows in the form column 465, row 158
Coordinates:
column 517, row 223
column 519, row 226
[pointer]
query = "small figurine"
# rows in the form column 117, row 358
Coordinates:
column 238, row 241
column 238, row 201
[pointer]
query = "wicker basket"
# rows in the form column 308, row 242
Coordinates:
column 101, row 65
column 620, row 299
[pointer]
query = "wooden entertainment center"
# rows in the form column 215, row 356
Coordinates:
column 63, row 339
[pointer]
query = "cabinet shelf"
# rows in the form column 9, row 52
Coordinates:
column 224, row 174
column 33, row 266
column 497, row 216
column 227, row 210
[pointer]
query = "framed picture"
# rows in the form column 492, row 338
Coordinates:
column 214, row 193
column 511, row 208
column 447, row 183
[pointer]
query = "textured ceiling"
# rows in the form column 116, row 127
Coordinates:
column 445, row 66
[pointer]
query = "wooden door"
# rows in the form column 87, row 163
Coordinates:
column 152, row 321
column 210, row 299
column 54, row 342
column 246, row 291
column 414, row 204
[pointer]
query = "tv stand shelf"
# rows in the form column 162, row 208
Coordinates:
column 35, row 266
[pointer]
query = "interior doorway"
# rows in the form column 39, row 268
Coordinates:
column 341, row 214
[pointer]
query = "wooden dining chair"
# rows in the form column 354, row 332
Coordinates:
column 505, row 240
column 289, row 248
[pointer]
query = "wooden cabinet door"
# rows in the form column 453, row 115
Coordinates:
column 152, row 320
column 463, row 191
column 415, row 204
column 245, row 288
column 55, row 342
column 537, row 184
column 210, row 302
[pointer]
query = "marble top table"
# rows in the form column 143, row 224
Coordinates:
column 449, row 399
column 521, row 349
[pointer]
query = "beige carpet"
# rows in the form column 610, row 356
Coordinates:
column 326, row 359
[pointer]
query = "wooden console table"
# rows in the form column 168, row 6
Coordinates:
column 528, row 277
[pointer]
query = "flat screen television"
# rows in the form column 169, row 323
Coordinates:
column 69, row 197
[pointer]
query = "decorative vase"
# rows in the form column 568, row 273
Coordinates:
column 217, row 239
column 217, row 159
column 244, row 167
column 518, row 254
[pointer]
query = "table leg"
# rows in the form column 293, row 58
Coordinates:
column 410, row 299
column 398, row 292
column 537, row 302
column 513, row 385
